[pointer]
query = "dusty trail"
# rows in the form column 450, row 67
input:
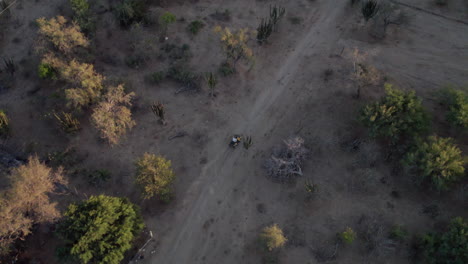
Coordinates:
column 187, row 242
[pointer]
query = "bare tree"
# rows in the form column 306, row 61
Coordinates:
column 286, row 163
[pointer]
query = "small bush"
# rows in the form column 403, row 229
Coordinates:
column 130, row 11
column 46, row 71
column 457, row 103
column 98, row 177
column 450, row 247
column 156, row 77
column 195, row 26
column 226, row 69
column 398, row 233
column 272, row 238
column 68, row 123
column 399, row 114
column 348, row 236
column 82, row 15
column 438, row 160
column 4, row 124
column 155, row 175
column 184, row 76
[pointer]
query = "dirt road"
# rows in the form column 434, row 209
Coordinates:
column 211, row 224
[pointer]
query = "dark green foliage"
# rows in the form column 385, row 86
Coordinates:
column 156, row 77
column 135, row 61
column 348, row 236
column 264, row 30
column 457, row 103
column 100, row 229
column 449, row 247
column 98, row 177
column 82, row 15
column 4, row 124
column 398, row 233
column 211, row 81
column 267, row 26
column 130, row 11
column 438, row 160
column 397, row 115
column 46, row 71
column 369, row 9
column 10, row 66
column 248, row 142
column 177, row 53
column 195, row 26
column 184, row 76
column 226, row 69
column 276, row 14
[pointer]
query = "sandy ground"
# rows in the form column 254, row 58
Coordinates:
column 223, row 198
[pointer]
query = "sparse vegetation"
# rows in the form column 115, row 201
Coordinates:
column 98, row 177
column 211, row 81
column 10, row 66
column 82, row 15
column 450, row 247
column 99, row 230
column 68, row 123
column 272, row 238
column 130, row 11
column 112, row 117
column 159, row 111
column 155, row 176
column 437, row 160
column 398, row 232
column 248, row 142
column 165, row 20
column 399, row 114
column 267, row 26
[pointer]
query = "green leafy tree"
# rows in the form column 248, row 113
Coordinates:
column 396, row 115
column 100, row 229
column 4, row 124
column 155, row 175
column 272, row 237
column 64, row 37
column 450, row 247
column 165, row 20
column 112, row 116
column 82, row 15
column 457, row 104
column 438, row 160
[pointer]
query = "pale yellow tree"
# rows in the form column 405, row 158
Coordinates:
column 155, row 176
column 64, row 37
column 272, row 237
column 27, row 202
column 235, row 43
column 86, row 82
column 112, row 116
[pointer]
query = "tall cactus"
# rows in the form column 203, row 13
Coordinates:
column 159, row 111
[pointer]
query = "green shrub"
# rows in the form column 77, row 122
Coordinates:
column 155, row 175
column 4, row 124
column 438, row 160
column 226, row 69
column 450, row 247
column 457, row 103
column 46, row 71
column 100, row 229
column 395, row 116
column 195, row 26
column 98, row 177
column 398, row 233
column 181, row 74
column 130, row 11
column 156, row 77
column 82, row 15
column 348, row 236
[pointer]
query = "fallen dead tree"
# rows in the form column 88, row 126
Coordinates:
column 285, row 164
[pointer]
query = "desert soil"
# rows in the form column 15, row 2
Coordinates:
column 223, row 197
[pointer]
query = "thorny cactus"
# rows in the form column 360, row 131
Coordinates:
column 159, row 111
column 248, row 142
column 68, row 123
